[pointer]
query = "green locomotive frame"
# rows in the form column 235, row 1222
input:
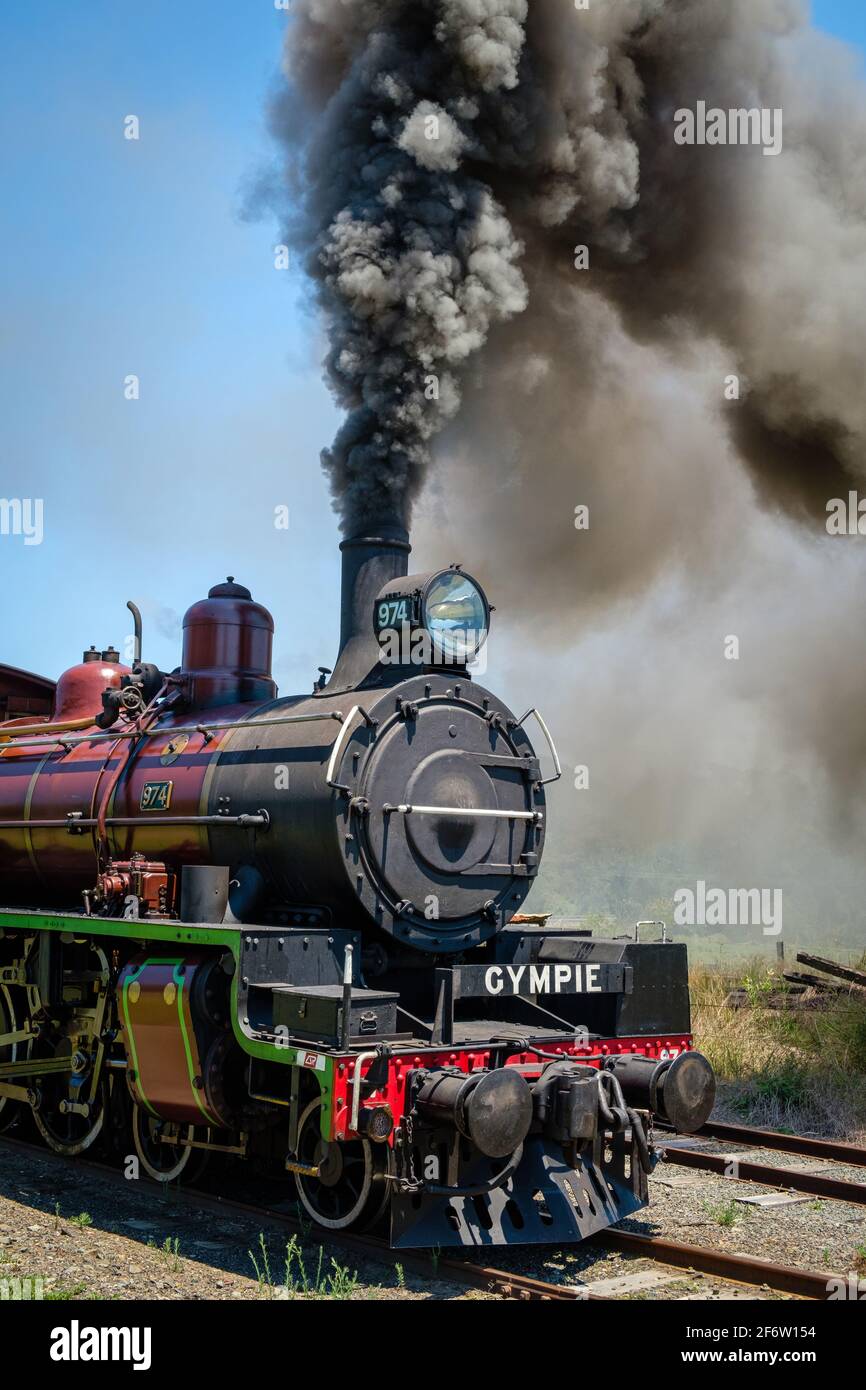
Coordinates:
column 226, row 938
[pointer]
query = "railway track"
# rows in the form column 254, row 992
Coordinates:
column 739, row 1269
column 745, row 1271
column 833, row 1150
column 505, row 1282
column 786, row 1178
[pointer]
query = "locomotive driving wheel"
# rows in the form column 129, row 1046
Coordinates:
column 69, row 1110
column 351, row 1189
column 164, row 1150
column 68, row 1124
column 9, row 1109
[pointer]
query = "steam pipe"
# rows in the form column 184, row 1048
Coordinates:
column 206, row 729
column 11, row 731
column 136, row 619
column 77, row 824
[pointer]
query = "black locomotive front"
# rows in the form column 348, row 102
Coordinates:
column 423, row 817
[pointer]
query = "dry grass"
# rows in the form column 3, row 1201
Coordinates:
column 801, row 1070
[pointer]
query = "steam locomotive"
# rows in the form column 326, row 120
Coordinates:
column 289, row 930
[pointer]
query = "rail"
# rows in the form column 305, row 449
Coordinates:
column 741, row 1269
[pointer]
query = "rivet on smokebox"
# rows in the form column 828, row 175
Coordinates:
column 169, row 994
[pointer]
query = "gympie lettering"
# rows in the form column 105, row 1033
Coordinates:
column 77, row 1343
column 542, row 979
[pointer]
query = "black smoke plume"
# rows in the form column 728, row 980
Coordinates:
column 412, row 256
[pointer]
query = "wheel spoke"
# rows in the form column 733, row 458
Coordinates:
column 349, row 1200
column 171, row 1162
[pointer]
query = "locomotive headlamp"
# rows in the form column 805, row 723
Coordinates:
column 427, row 619
column 455, row 612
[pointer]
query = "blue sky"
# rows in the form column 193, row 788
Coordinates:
column 126, row 257
column 845, row 18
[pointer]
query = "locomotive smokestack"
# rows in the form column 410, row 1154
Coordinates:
column 378, row 553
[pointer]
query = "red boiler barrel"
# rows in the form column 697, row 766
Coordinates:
column 226, row 670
